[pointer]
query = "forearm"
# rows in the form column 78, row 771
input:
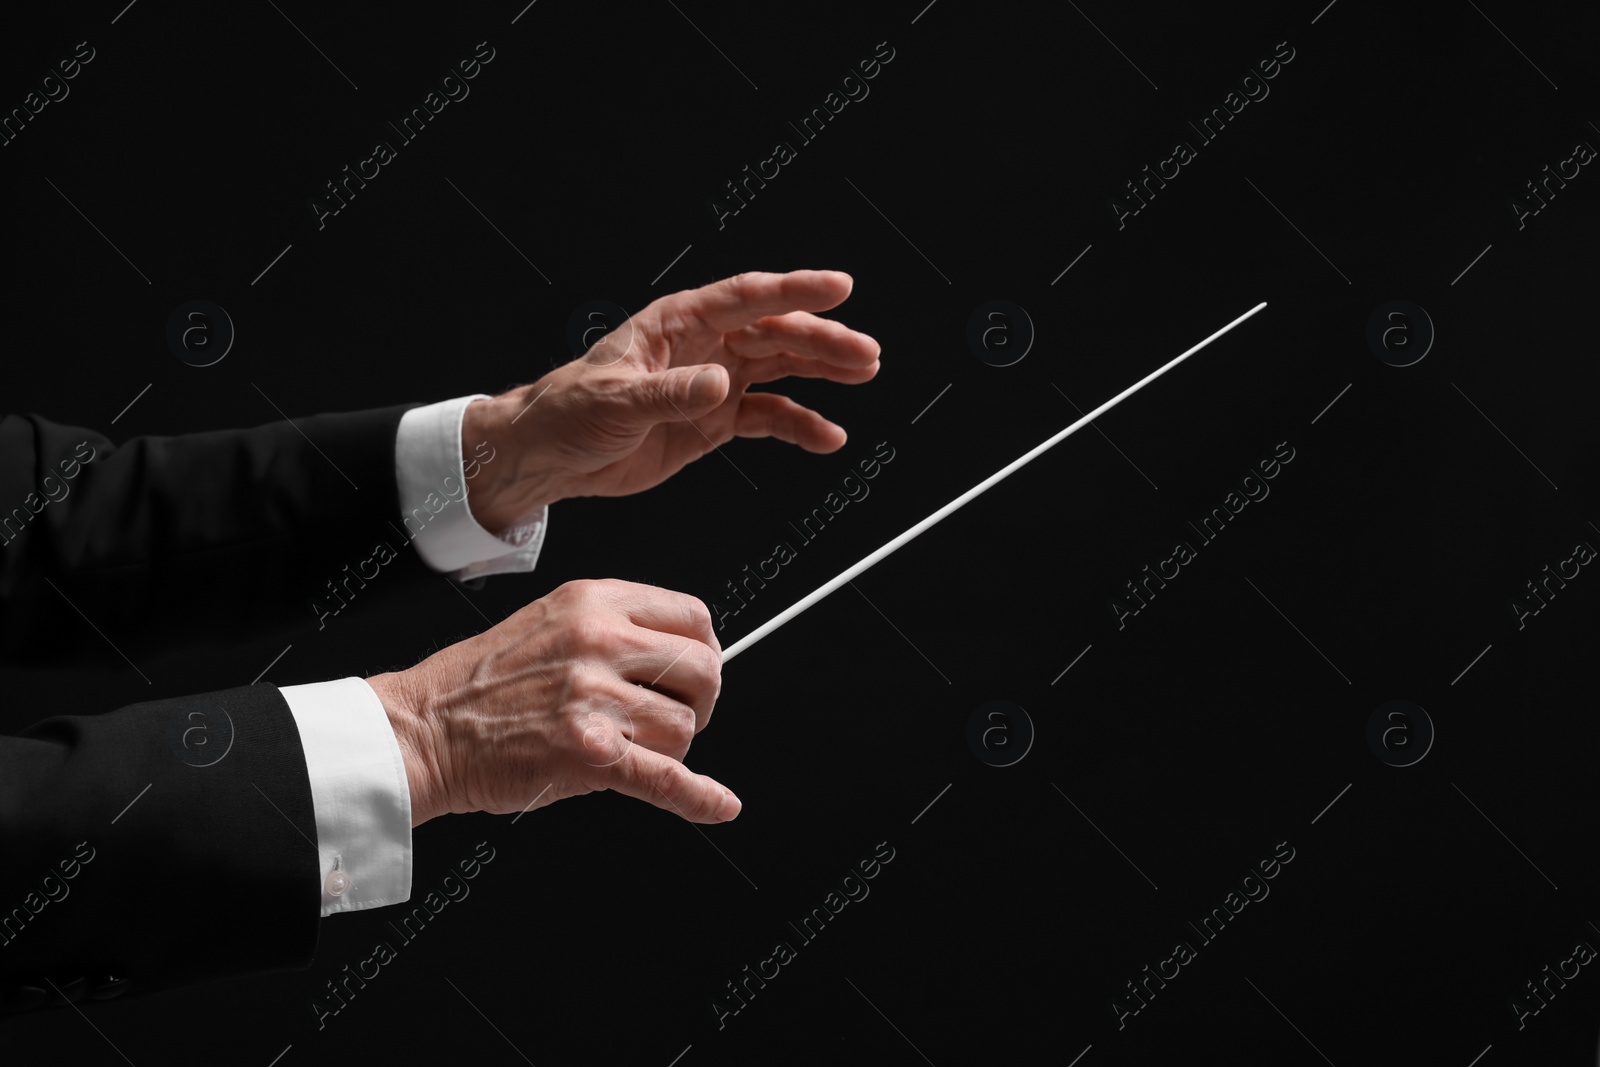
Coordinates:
column 157, row 536
column 136, row 825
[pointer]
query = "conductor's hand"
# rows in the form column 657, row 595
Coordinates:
column 665, row 388
column 598, row 685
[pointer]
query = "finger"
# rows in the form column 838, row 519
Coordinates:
column 669, row 785
column 658, row 721
column 677, row 669
column 806, row 335
column 680, row 393
column 772, row 415
column 666, row 610
column 742, row 299
column 790, row 365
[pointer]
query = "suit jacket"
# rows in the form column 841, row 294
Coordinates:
column 117, row 838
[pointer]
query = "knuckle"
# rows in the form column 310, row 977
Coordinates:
column 602, row 591
column 584, row 687
column 668, row 780
column 591, row 635
column 584, row 728
column 699, row 614
column 593, row 734
column 572, row 591
column 596, row 587
column 577, row 733
column 709, row 666
column 683, row 727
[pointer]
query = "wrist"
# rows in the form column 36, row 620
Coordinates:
column 402, row 703
column 507, row 476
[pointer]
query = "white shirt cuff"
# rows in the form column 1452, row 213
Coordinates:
column 358, row 789
column 431, row 466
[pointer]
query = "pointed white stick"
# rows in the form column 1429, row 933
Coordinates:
column 788, row 613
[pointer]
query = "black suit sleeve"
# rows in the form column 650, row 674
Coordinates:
column 125, row 865
column 130, row 868
column 201, row 536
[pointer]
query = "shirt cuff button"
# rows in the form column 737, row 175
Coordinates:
column 336, row 883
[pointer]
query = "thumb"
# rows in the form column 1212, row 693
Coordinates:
column 684, row 392
column 647, row 775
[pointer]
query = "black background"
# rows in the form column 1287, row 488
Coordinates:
column 1222, row 719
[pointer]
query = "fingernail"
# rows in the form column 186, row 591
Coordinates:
column 704, row 385
column 730, row 805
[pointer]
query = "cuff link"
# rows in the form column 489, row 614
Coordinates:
column 337, row 882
